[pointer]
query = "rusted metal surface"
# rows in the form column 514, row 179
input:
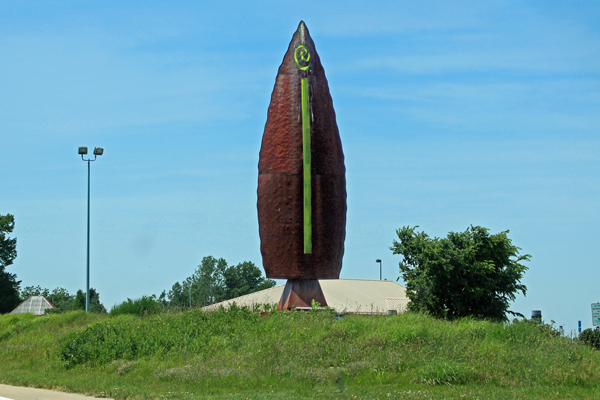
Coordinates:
column 301, row 293
column 280, row 179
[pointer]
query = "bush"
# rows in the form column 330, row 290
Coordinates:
column 130, row 338
column 591, row 337
column 145, row 305
column 467, row 274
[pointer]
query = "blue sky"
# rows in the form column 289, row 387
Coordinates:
column 451, row 114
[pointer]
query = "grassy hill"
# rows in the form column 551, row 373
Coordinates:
column 238, row 355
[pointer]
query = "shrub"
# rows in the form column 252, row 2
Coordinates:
column 130, row 338
column 591, row 337
column 467, row 274
column 145, row 305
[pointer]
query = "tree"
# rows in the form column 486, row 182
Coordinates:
column 469, row 273
column 215, row 281
column 62, row 300
column 95, row 305
column 207, row 282
column 242, row 279
column 162, row 299
column 205, row 286
column 60, row 297
column 34, row 291
column 176, row 296
column 9, row 286
column 79, row 302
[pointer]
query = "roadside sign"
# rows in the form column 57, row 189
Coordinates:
column 596, row 314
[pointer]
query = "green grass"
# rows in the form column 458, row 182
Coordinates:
column 237, row 355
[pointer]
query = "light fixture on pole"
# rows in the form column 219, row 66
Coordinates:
column 379, row 261
column 98, row 151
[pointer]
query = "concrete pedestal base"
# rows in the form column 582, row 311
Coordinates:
column 301, row 293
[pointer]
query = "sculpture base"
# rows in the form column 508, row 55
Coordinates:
column 301, row 293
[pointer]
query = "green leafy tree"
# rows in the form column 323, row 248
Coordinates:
column 176, row 296
column 9, row 286
column 34, row 291
column 207, row 282
column 162, row 299
column 469, row 273
column 205, row 286
column 95, row 305
column 62, row 300
column 79, row 301
column 215, row 281
column 242, row 279
column 60, row 297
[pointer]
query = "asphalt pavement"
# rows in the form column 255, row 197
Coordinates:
column 24, row 393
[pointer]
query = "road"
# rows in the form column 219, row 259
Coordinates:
column 24, row 393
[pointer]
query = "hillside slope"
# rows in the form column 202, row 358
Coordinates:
column 235, row 354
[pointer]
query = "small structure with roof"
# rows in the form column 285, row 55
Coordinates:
column 33, row 305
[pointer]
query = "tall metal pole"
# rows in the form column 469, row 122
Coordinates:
column 87, row 286
column 98, row 151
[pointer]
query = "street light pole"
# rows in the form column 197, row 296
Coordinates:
column 98, row 151
column 87, row 282
column 379, row 261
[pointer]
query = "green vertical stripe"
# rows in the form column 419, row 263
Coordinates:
column 307, row 171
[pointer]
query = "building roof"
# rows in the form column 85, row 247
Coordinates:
column 33, row 305
column 343, row 295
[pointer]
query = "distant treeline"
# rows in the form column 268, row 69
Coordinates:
column 213, row 281
column 63, row 300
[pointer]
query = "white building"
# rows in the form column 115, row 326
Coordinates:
column 356, row 296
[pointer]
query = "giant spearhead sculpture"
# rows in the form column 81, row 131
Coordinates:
column 301, row 178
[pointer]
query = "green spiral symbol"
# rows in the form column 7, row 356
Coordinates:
column 304, row 60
